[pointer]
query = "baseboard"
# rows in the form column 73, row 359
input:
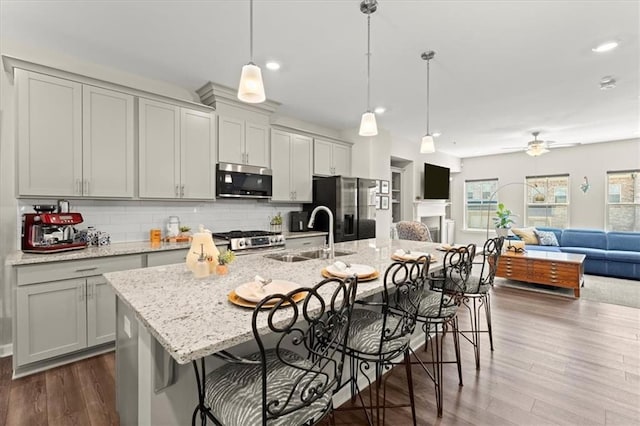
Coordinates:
column 6, row 350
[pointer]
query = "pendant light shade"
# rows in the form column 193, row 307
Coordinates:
column 427, row 146
column 368, row 125
column 251, row 88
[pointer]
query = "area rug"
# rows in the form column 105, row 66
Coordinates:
column 615, row 291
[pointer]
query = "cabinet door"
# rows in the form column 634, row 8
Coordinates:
column 159, row 145
column 231, row 140
column 257, row 145
column 341, row 160
column 281, row 169
column 107, row 139
column 197, row 158
column 322, row 157
column 49, row 135
column 301, row 176
column 51, row 319
column 101, row 312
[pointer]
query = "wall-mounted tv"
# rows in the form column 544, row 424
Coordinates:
column 436, row 182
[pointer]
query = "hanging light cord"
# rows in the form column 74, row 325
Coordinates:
column 251, row 30
column 428, row 63
column 369, row 61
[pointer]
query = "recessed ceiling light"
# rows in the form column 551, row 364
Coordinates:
column 436, row 134
column 607, row 82
column 605, row 47
column 273, row 65
column 379, row 110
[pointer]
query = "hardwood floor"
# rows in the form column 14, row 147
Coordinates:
column 556, row 361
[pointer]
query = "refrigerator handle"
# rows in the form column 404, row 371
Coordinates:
column 349, row 224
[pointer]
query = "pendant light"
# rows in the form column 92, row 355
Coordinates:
column 427, row 146
column 251, row 88
column 368, row 126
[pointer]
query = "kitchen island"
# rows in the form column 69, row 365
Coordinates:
column 166, row 315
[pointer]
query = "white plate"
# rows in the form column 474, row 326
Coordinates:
column 355, row 268
column 254, row 291
column 411, row 256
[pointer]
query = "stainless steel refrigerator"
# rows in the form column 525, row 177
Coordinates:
column 353, row 203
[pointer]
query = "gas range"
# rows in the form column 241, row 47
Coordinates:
column 250, row 241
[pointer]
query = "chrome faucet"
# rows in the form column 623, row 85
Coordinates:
column 312, row 220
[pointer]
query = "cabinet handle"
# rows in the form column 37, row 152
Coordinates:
column 182, row 190
column 89, row 291
column 295, row 195
column 177, row 193
column 81, row 288
column 86, row 187
column 247, row 160
column 78, row 190
column 87, row 269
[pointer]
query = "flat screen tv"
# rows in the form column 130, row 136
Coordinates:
column 436, row 182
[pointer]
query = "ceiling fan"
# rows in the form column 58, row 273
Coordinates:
column 537, row 147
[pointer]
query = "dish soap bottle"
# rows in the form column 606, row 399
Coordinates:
column 201, row 242
column 201, row 269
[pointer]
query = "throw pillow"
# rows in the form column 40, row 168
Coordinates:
column 547, row 238
column 528, row 235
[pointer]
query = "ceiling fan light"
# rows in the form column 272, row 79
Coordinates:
column 368, row 125
column 427, row 146
column 536, row 150
column 251, row 88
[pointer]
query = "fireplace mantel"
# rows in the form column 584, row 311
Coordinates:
column 425, row 209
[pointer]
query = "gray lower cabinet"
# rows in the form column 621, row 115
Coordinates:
column 101, row 312
column 51, row 320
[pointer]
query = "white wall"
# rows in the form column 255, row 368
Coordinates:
column 591, row 160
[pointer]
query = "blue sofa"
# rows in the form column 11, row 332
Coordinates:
column 613, row 254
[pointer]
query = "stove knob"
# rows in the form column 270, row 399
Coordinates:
column 273, row 240
column 248, row 243
column 241, row 243
column 280, row 238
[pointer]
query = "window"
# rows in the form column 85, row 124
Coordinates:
column 623, row 196
column 547, row 201
column 478, row 203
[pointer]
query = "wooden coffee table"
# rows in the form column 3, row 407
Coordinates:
column 544, row 267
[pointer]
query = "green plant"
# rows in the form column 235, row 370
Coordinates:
column 276, row 220
column 226, row 257
column 185, row 229
column 503, row 217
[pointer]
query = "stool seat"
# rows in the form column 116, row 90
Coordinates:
column 366, row 329
column 234, row 391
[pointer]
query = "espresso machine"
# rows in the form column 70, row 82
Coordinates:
column 47, row 232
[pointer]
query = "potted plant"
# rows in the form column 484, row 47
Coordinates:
column 276, row 223
column 503, row 220
column 224, row 259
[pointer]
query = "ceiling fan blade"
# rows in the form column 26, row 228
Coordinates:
column 513, row 148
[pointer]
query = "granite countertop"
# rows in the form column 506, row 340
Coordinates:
column 192, row 318
column 116, row 249
column 292, row 235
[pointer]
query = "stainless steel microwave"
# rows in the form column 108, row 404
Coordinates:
column 242, row 181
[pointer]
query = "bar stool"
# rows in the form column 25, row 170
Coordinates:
column 293, row 382
column 380, row 333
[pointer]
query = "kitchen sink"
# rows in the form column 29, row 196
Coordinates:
column 304, row 255
column 286, row 257
column 321, row 254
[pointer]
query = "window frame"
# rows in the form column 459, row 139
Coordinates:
column 549, row 194
column 635, row 227
column 484, row 203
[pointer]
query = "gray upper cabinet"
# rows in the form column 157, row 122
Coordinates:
column 176, row 151
column 84, row 132
column 291, row 163
column 331, row 158
column 107, row 143
column 49, row 135
column 243, row 142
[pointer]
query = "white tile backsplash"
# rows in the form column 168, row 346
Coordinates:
column 131, row 220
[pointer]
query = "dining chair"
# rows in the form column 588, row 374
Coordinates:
column 411, row 230
column 380, row 334
column 293, row 381
column 476, row 294
column 438, row 311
